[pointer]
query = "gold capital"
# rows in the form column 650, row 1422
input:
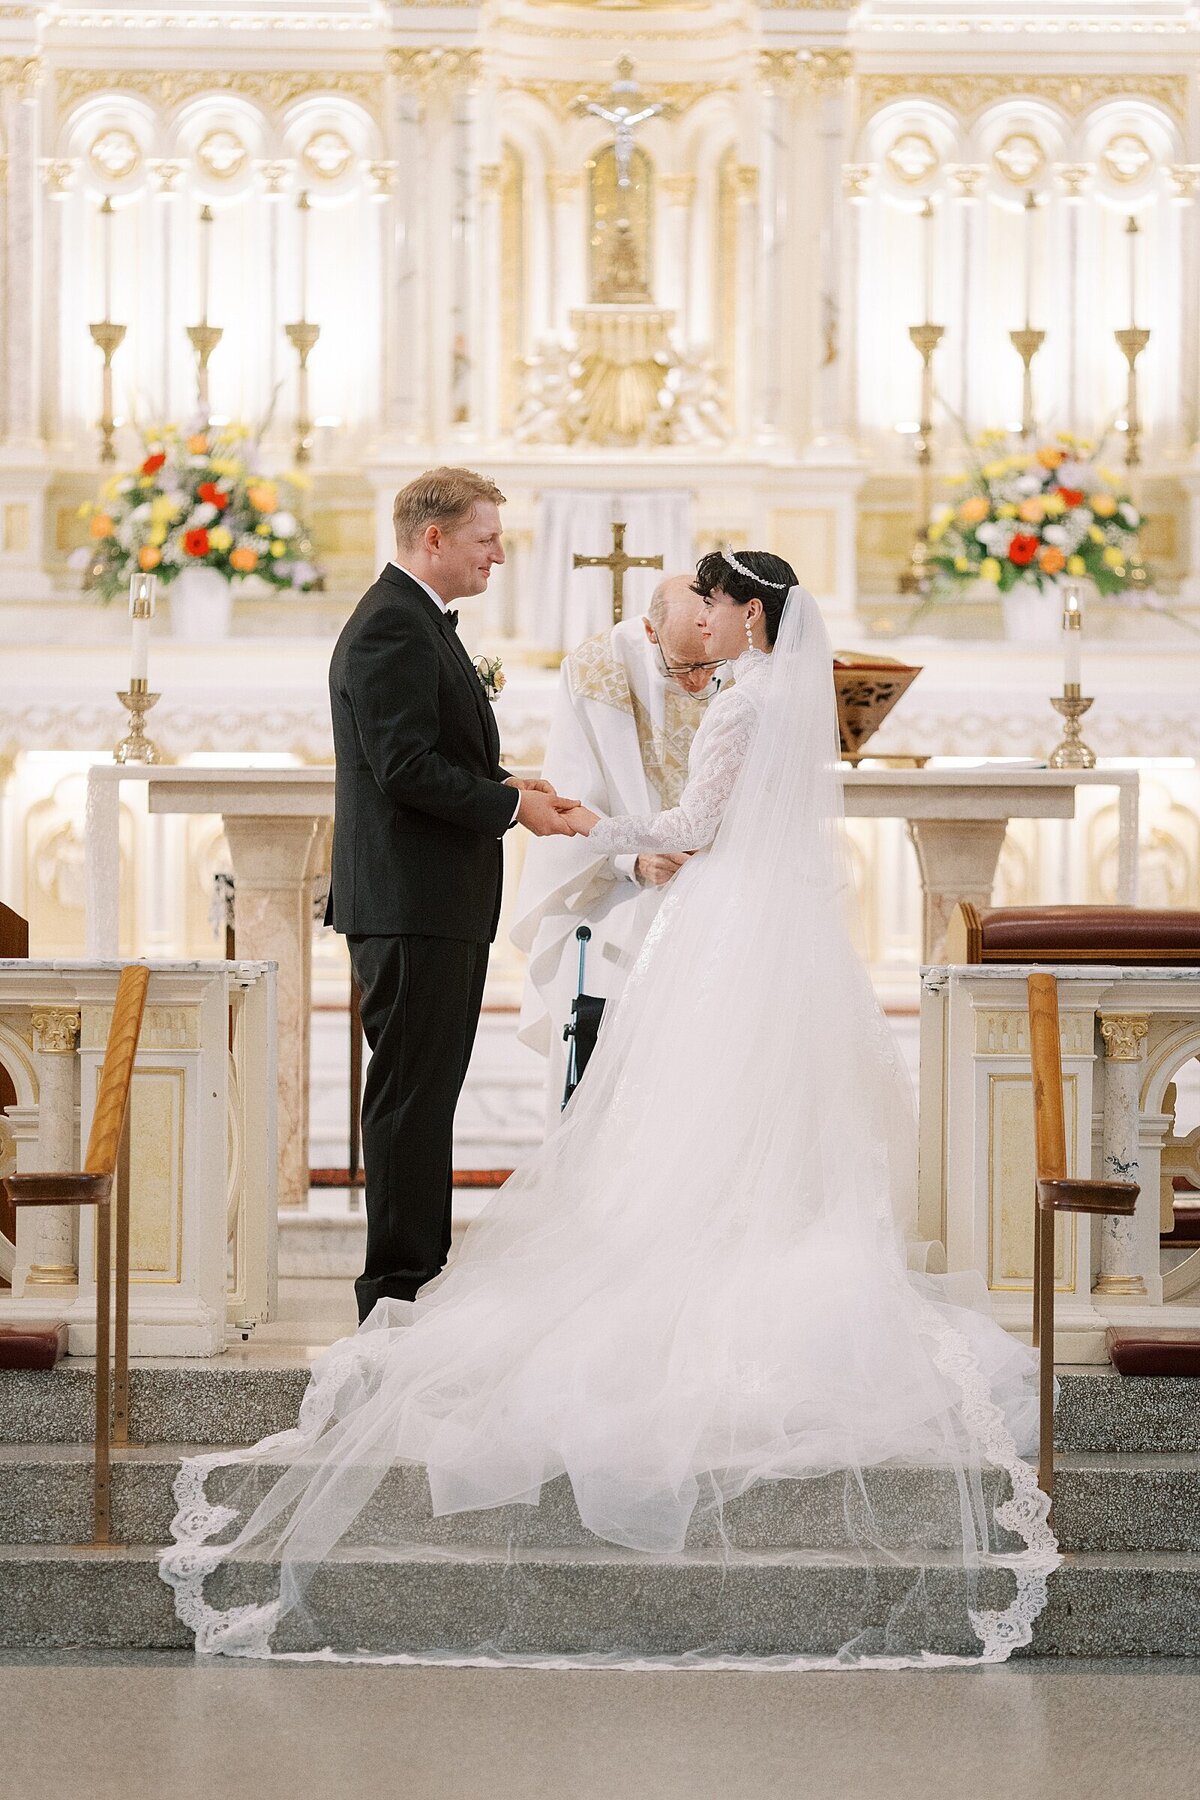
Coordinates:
column 55, row 1029
column 1123, row 1034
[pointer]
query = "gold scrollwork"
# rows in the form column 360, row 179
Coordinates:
column 968, row 94
column 222, row 154
column 327, row 155
column 829, row 70
column 55, row 1029
column 273, row 90
column 434, row 69
column 1123, row 1035
column 23, row 73
column 560, row 96
column 1126, row 158
column 115, row 153
column 912, row 158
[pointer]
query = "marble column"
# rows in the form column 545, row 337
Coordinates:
column 52, row 1234
column 957, row 859
column 829, row 73
column 747, row 348
column 24, row 475
column 1124, row 1037
column 469, row 299
column 674, row 280
column 274, row 861
column 564, row 190
column 964, row 180
column 486, row 369
column 407, row 377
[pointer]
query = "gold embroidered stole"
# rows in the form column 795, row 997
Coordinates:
column 595, row 674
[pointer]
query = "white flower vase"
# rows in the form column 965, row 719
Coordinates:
column 201, row 605
column 1031, row 616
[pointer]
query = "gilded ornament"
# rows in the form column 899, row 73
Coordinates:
column 912, row 158
column 1019, row 158
column 383, row 177
column 967, row 94
column 561, row 96
column 221, row 154
column 1183, row 178
column 327, row 155
column 22, row 73
column 167, row 174
column 55, row 1029
column 966, row 177
column 780, row 71
column 435, row 70
column 491, row 180
column 856, row 180
column 1123, row 1034
column 680, row 190
column 115, row 154
column 1074, row 177
column 274, row 175
column 829, row 70
column 746, row 176
column 1126, row 158
column 273, row 90
column 58, row 176
column 563, row 184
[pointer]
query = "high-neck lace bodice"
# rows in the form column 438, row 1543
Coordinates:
column 718, row 751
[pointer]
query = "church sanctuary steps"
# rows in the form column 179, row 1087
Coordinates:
column 1127, row 1506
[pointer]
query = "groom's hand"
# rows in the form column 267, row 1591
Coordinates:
column 542, row 813
column 529, row 786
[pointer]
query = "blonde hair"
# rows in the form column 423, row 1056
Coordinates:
column 442, row 496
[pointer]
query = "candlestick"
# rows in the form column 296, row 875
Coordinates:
column 303, row 208
column 1071, row 752
column 135, row 746
column 142, row 586
column 1072, row 638
column 302, row 335
column 108, row 338
column 106, row 253
column 915, row 579
column 1132, row 341
column 206, row 223
column 1027, row 344
column 927, row 215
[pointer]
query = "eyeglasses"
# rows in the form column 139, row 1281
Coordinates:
column 673, row 669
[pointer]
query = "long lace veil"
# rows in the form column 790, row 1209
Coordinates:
column 696, row 1286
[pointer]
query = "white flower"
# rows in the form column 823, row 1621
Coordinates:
column 204, row 514
column 141, row 512
column 1130, row 515
column 1056, row 534
column 1029, row 484
column 992, row 532
column 283, row 524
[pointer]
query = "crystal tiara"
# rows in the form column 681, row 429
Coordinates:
column 741, row 568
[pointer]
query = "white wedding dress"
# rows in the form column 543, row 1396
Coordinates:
column 700, row 1282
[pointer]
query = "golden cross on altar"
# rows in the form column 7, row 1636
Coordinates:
column 618, row 562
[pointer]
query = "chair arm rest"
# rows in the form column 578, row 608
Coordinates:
column 65, row 1189
column 1073, row 1194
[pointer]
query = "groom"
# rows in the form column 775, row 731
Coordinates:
column 421, row 805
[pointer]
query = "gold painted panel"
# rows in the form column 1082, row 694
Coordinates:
column 156, row 1151
column 16, row 527
column 807, row 538
column 1011, row 1181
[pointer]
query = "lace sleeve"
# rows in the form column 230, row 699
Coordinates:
column 717, row 754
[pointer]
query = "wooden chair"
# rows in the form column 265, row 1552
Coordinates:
column 1057, row 1192
column 103, row 1183
column 14, row 943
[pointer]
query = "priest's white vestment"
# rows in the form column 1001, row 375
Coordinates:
column 619, row 741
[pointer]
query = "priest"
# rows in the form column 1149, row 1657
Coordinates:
column 628, row 705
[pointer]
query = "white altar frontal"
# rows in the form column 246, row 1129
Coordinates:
column 384, row 237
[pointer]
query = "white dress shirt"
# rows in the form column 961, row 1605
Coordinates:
column 443, row 608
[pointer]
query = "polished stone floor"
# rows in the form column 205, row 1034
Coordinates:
column 157, row 1727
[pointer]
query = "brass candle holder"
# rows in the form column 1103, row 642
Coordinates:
column 135, row 746
column 1071, row 752
column 204, row 339
column 302, row 336
column 1132, row 341
column 108, row 338
column 1027, row 343
column 925, row 340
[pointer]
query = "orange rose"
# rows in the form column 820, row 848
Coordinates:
column 263, row 496
column 1051, row 458
column 1051, row 559
column 198, row 445
column 1033, row 510
column 244, row 560
column 974, row 510
column 149, row 557
column 101, row 525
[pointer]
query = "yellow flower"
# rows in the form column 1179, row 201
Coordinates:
column 1076, row 565
column 1007, row 511
column 974, row 509
column 961, row 564
column 263, row 528
column 220, row 539
column 161, row 510
column 989, row 569
column 1095, row 533
column 1109, row 475
column 1103, row 505
column 937, row 530
column 992, row 471
column 111, row 488
column 1112, row 557
column 278, row 547
column 1050, row 458
column 157, row 534
column 224, row 465
column 298, row 479
column 1055, row 506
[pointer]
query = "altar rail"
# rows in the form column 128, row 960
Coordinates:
column 202, row 1151
column 1127, row 1033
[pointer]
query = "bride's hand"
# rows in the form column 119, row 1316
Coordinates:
column 580, row 819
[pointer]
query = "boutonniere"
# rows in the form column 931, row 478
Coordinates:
column 490, row 671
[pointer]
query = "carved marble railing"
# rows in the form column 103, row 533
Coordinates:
column 203, row 1162
column 1128, row 1038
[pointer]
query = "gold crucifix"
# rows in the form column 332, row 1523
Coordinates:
column 618, row 562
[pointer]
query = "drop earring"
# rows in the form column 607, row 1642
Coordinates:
column 749, row 634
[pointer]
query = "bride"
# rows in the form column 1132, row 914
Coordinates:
column 702, row 1279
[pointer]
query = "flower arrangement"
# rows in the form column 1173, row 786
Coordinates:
column 194, row 501
column 1037, row 516
column 490, row 671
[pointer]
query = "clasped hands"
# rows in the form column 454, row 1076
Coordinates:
column 547, row 813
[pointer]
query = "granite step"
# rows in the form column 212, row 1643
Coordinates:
column 1106, row 1501
column 572, row 1601
column 224, row 1401
column 46, row 1498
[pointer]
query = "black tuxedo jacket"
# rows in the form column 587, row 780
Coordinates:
column 419, row 809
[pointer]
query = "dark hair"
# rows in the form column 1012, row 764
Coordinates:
column 713, row 572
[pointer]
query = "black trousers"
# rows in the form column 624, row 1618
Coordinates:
column 420, row 1008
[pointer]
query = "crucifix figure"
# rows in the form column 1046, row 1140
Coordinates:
column 623, row 116
column 618, row 562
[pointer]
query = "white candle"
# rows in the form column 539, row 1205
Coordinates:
column 302, row 205
column 1030, row 206
column 927, row 215
column 1131, row 232
column 1072, row 637
column 141, row 607
column 106, row 252
column 206, row 220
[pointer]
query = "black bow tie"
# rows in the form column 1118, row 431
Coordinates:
column 451, row 619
